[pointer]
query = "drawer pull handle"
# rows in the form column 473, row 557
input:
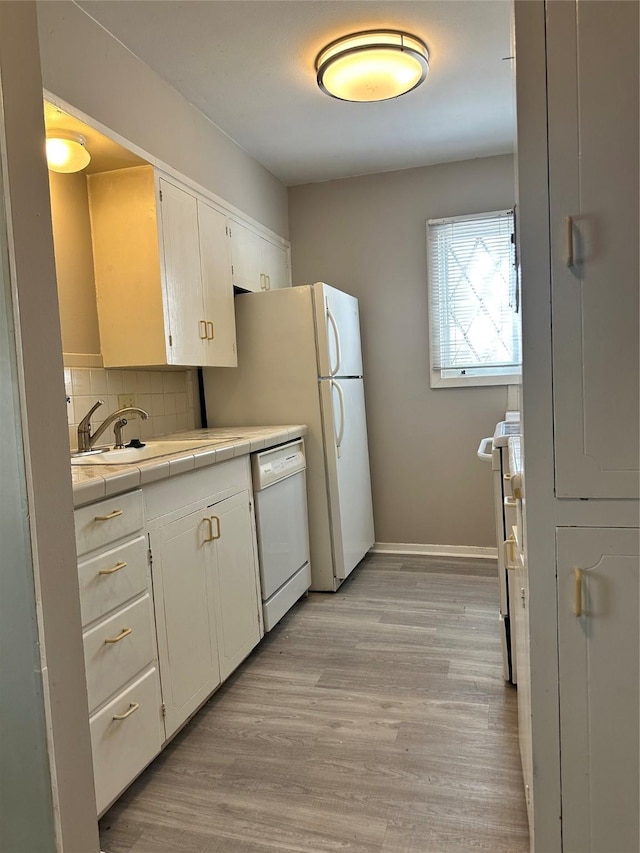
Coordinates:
column 109, row 516
column 577, row 575
column 133, row 707
column 124, row 633
column 116, row 568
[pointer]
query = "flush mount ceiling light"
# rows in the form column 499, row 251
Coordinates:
column 372, row 66
column 67, row 152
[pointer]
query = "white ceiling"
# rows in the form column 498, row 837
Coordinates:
column 249, row 66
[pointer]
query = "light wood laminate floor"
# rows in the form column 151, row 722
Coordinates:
column 374, row 720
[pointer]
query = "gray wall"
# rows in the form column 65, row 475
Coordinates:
column 367, row 236
column 89, row 69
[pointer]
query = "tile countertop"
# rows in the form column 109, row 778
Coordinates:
column 94, row 482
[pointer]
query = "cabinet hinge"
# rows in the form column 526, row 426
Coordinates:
column 160, row 195
column 150, row 555
column 231, row 269
column 163, row 708
column 170, row 340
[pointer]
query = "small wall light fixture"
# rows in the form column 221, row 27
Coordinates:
column 373, row 65
column 67, row 152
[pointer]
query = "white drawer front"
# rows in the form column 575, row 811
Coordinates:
column 216, row 482
column 112, row 578
column 122, row 748
column 117, row 649
column 107, row 521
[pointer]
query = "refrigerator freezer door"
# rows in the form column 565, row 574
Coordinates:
column 347, row 462
column 337, row 332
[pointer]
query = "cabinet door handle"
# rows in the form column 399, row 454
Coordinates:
column 114, row 514
column 211, row 336
column 263, row 281
column 210, row 537
column 569, row 226
column 202, row 325
column 116, row 568
column 268, row 280
column 577, row 578
column 133, row 707
column 218, row 530
column 124, row 633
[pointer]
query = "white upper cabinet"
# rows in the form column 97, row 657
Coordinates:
column 183, row 276
column 163, row 273
column 258, row 263
column 593, row 160
column 217, row 288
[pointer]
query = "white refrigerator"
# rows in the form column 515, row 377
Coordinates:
column 299, row 361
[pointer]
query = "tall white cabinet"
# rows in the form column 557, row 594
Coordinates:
column 578, row 152
column 593, row 188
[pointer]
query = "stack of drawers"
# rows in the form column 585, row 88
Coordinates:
column 120, row 647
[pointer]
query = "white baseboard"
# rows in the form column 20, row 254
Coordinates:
column 474, row 551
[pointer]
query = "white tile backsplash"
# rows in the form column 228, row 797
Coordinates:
column 167, row 395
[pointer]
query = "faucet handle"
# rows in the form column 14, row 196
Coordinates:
column 85, row 420
column 84, row 429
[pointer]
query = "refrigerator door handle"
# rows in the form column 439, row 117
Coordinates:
column 340, row 432
column 336, row 334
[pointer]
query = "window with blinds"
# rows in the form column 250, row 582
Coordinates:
column 473, row 300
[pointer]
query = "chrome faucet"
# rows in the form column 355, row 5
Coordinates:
column 87, row 439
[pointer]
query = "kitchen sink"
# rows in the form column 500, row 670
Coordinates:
column 151, row 450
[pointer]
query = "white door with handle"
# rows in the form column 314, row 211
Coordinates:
column 338, row 332
column 347, row 461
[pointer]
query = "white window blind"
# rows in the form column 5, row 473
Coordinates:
column 475, row 325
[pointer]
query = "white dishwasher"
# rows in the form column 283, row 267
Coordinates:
column 279, row 485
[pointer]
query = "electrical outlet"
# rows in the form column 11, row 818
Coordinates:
column 126, row 400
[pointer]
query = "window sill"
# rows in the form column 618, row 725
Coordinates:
column 439, row 381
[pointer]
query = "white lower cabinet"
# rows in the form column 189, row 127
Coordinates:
column 123, row 687
column 234, row 582
column 205, row 581
column 170, row 602
column 187, row 644
column 599, row 642
column 125, row 735
column 118, row 648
